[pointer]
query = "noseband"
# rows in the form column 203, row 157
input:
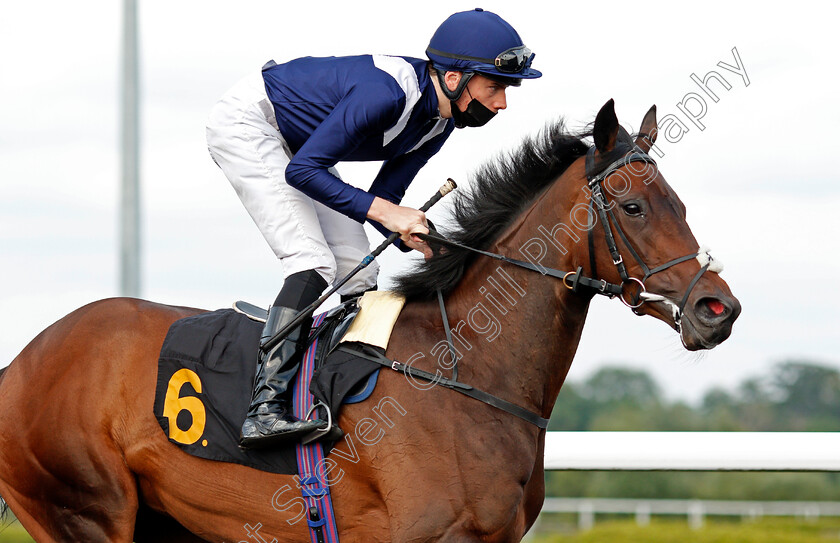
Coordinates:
column 595, row 175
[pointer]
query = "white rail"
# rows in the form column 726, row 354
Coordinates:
column 693, row 451
column 694, row 510
column 732, row 508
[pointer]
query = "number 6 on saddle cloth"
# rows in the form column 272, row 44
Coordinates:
column 205, row 376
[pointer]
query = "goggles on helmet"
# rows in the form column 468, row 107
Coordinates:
column 510, row 61
column 514, row 60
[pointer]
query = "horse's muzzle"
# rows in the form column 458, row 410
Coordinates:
column 709, row 322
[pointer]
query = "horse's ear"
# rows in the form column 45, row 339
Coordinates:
column 606, row 128
column 648, row 131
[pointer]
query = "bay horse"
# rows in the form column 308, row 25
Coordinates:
column 82, row 457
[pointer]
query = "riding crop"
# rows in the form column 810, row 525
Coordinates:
column 445, row 189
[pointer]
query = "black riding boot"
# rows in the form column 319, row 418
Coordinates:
column 270, row 418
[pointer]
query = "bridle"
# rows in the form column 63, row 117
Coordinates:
column 597, row 170
column 596, row 173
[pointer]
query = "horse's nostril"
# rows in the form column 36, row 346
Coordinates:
column 712, row 310
column 716, row 306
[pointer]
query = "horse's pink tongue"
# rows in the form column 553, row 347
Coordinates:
column 716, row 307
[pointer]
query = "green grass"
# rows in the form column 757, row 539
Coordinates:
column 14, row 533
column 658, row 531
column 714, row 531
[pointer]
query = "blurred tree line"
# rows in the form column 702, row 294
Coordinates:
column 797, row 395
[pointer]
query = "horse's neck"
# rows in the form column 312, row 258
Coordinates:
column 517, row 333
column 520, row 328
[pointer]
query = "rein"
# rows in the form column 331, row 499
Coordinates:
column 577, row 279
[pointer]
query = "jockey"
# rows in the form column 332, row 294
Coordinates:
column 278, row 134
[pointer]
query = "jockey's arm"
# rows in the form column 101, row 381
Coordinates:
column 335, row 139
column 390, row 185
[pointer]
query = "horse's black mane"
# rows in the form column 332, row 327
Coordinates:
column 500, row 190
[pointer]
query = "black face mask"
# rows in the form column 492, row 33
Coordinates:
column 476, row 114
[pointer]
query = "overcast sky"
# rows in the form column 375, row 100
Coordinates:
column 759, row 180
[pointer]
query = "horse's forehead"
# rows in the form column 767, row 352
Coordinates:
column 660, row 188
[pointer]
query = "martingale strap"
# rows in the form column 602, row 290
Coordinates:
column 314, row 482
column 448, row 335
column 363, row 351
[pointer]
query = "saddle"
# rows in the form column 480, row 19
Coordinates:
column 206, row 372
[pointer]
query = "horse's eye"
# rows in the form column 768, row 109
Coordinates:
column 634, row 210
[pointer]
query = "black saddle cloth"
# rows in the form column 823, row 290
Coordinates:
column 206, row 375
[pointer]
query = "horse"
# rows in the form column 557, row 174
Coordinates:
column 82, row 457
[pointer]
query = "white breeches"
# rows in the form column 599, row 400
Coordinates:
column 244, row 140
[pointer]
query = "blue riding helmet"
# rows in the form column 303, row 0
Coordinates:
column 481, row 42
